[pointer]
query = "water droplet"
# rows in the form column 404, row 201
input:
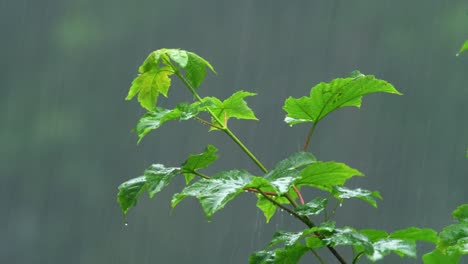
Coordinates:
column 341, row 204
column 126, row 223
column 282, row 210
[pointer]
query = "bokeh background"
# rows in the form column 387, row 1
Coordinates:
column 66, row 140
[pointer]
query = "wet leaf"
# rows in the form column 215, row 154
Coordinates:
column 129, row 192
column 149, row 85
column 287, row 255
column 414, row 233
column 350, row 237
column 327, row 97
column 374, row 234
column 216, row 192
column 439, row 257
column 365, row 195
column 325, row 175
column 233, row 107
column 154, row 119
column 313, row 207
column 285, row 172
column 158, row 176
column 383, row 247
column 198, row 161
column 287, row 238
column 195, row 71
column 267, row 207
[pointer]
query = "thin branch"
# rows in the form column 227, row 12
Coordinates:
column 203, row 121
column 357, row 257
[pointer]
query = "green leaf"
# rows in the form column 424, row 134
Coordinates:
column 267, row 207
column 129, row 192
column 350, row 237
column 414, row 233
column 325, row 175
column 463, row 48
column 455, row 235
column 365, row 195
column 287, row 255
column 288, row 238
column 195, row 71
column 439, row 257
column 233, row 107
column 198, row 161
column 152, row 61
column 178, row 56
column 285, row 172
column 327, row 97
column 313, row 207
column 158, row 177
column 149, row 85
column 374, row 234
column 154, row 119
column 387, row 245
column 461, row 213
column 314, row 242
column 216, row 192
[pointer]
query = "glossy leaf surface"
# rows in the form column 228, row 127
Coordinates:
column 198, row 161
column 129, row 192
column 327, row 97
column 216, row 192
column 365, row 195
column 313, row 207
column 325, row 175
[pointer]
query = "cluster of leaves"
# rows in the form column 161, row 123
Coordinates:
column 280, row 186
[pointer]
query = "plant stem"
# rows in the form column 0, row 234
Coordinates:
column 200, row 174
column 309, row 136
column 306, row 221
column 317, row 256
column 358, row 256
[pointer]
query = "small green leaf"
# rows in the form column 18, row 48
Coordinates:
column 288, row 238
column 285, row 172
column 152, row 61
column 365, row 195
column 325, row 175
column 463, row 48
column 149, row 85
column 195, row 71
column 314, row 242
column 267, row 207
column 216, row 192
column 154, row 119
column 233, row 107
column 327, row 97
column 439, row 257
column 350, row 237
column 414, row 233
column 313, row 207
column 401, row 247
column 287, row 255
column 158, row 177
column 461, row 213
column 129, row 192
column 198, row 161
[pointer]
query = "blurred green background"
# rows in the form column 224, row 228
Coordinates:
column 66, row 140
